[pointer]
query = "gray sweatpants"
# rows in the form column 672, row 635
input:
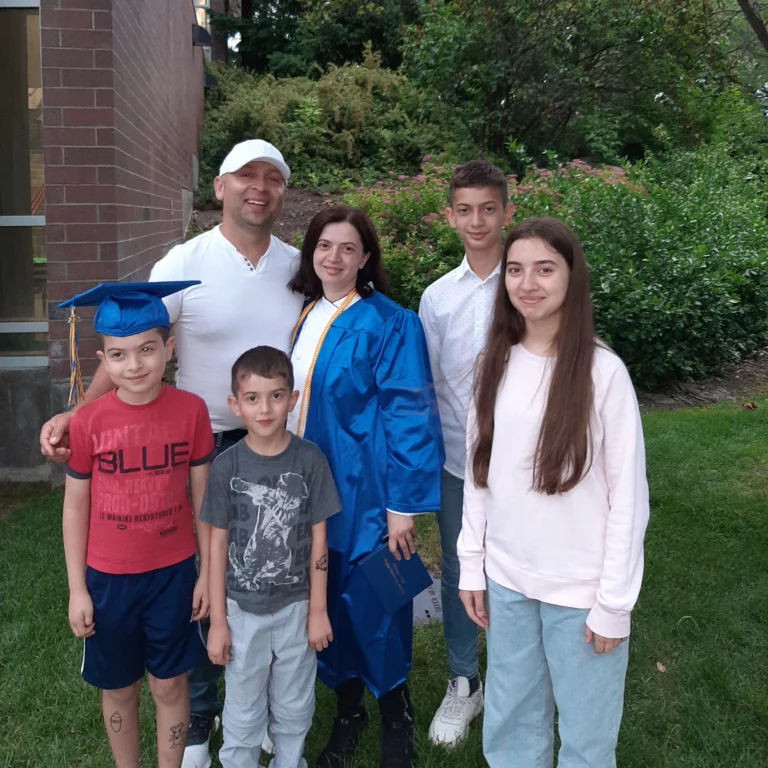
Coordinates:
column 271, row 677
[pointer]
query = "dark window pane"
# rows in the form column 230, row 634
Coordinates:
column 21, row 114
column 23, row 284
column 18, row 344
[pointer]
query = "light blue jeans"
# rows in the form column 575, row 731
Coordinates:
column 537, row 659
column 459, row 631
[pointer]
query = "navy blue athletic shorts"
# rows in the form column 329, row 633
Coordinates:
column 142, row 623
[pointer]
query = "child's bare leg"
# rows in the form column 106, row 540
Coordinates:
column 121, row 719
column 172, row 703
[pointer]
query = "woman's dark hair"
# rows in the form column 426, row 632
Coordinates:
column 372, row 274
column 562, row 449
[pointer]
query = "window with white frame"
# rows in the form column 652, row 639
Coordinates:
column 23, row 266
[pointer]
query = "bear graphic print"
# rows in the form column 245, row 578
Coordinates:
column 267, row 557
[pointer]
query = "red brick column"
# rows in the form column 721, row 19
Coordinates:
column 158, row 90
column 79, row 137
column 122, row 117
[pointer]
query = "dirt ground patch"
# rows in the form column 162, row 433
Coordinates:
column 299, row 206
column 748, row 379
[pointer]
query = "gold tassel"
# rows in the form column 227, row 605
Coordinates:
column 75, row 375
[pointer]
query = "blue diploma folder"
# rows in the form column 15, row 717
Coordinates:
column 394, row 582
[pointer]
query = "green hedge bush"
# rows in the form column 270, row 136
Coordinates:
column 354, row 123
column 677, row 249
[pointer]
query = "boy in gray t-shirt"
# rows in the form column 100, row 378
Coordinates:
column 267, row 500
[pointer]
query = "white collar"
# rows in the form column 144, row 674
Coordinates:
column 465, row 268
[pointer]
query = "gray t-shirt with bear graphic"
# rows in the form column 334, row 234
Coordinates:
column 269, row 505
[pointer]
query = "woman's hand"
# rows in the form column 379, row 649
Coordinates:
column 474, row 605
column 602, row 644
column 402, row 534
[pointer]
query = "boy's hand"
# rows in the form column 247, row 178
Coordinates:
column 474, row 605
column 81, row 613
column 219, row 644
column 201, row 605
column 319, row 629
column 602, row 644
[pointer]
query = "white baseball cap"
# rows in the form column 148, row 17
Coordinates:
column 254, row 149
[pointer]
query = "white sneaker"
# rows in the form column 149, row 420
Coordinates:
column 197, row 756
column 451, row 722
column 267, row 747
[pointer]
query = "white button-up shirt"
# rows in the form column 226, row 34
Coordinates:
column 456, row 313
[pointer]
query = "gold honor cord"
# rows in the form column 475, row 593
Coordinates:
column 308, row 383
column 75, row 376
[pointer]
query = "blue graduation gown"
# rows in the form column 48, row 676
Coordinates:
column 373, row 412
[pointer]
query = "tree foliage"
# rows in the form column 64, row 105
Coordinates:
column 594, row 77
column 299, row 37
column 601, row 79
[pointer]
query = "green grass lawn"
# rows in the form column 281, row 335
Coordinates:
column 697, row 692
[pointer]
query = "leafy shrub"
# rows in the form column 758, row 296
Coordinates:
column 677, row 249
column 355, row 122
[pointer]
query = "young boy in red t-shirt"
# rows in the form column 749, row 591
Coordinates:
column 129, row 532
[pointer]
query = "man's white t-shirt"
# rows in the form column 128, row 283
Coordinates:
column 236, row 307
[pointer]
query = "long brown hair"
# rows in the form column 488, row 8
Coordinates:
column 562, row 449
column 372, row 274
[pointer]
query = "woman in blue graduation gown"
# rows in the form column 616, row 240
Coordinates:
column 367, row 400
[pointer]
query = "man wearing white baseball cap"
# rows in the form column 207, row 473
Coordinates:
column 254, row 151
column 242, row 301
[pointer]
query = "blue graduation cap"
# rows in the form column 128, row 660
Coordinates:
column 124, row 309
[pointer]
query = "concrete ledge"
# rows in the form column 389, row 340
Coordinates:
column 41, row 474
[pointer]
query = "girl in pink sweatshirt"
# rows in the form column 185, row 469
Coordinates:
column 555, row 512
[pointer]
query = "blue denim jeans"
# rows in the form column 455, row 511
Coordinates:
column 459, row 631
column 203, row 679
column 537, row 659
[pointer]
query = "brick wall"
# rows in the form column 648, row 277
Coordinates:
column 122, row 114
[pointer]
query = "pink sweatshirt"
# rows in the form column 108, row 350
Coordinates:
column 580, row 549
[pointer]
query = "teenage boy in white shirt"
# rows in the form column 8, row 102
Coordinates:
column 242, row 302
column 455, row 312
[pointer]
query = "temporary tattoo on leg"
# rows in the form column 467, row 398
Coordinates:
column 116, row 721
column 177, row 736
column 322, row 563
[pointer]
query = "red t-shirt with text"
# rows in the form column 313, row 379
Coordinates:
column 138, row 458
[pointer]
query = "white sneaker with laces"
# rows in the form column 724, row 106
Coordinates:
column 451, row 722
